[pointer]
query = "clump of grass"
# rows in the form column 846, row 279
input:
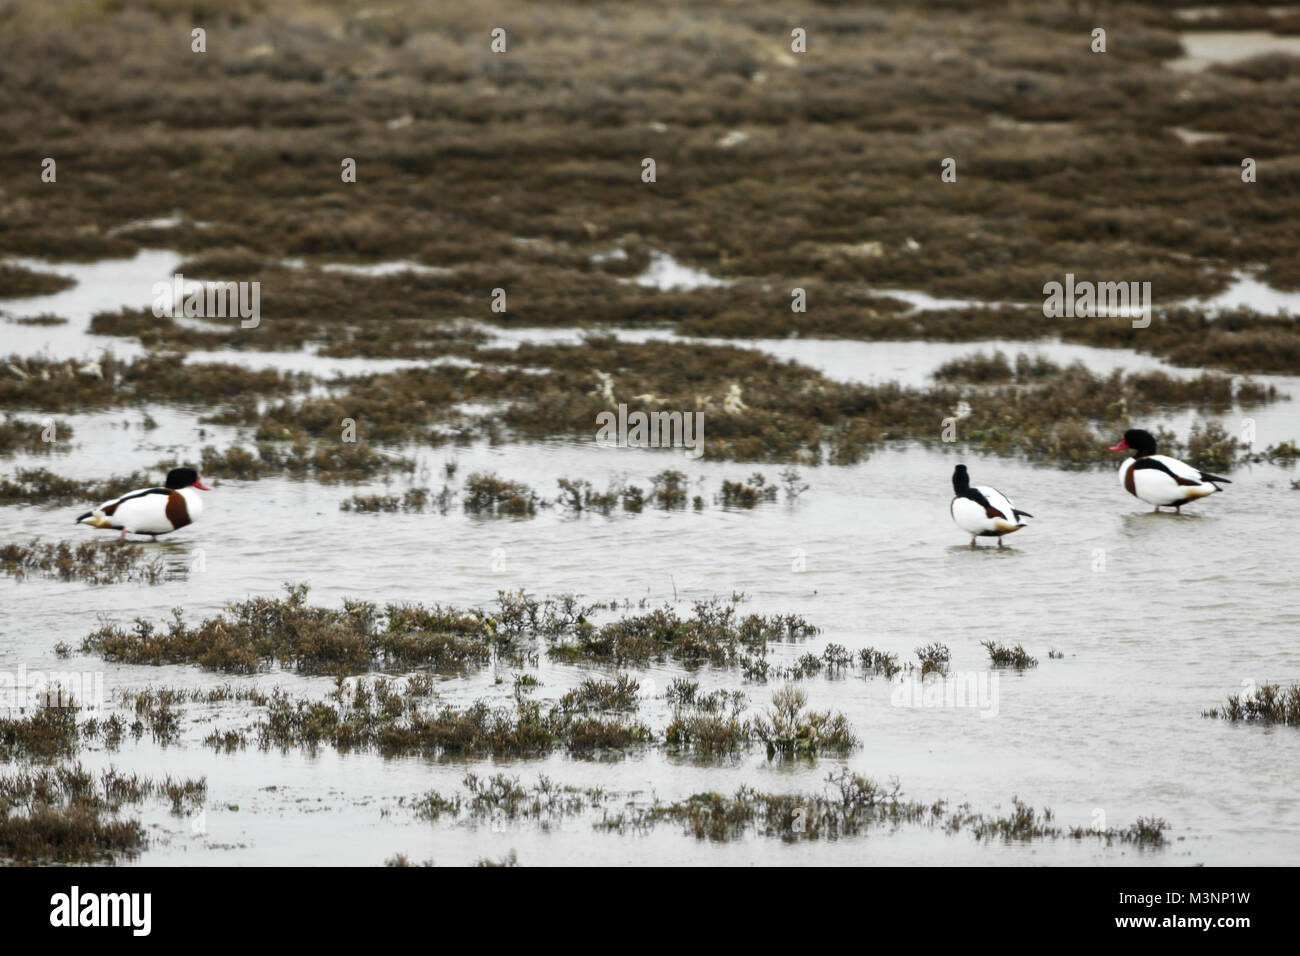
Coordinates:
column 574, row 493
column 849, row 805
column 68, row 814
column 1024, row 824
column 1253, row 393
column 979, row 369
column 934, row 658
column 149, row 697
column 226, row 741
column 17, row 282
column 1003, row 656
column 434, row 806
column 252, row 634
column 382, row 716
column 489, row 494
column 713, row 634
column 185, row 795
column 401, row 859
column 44, row 734
column 1283, row 451
column 708, row 733
column 792, row 413
column 706, row 723
column 322, row 461
column 749, row 493
column 45, row 319
column 326, row 461
column 792, row 483
column 593, row 694
column 525, row 684
column 1144, row 831
column 412, row 501
column 391, row 717
column 502, row 798
column 982, row 369
column 684, row 693
column 108, row 382
column 578, row 495
column 17, row 434
column 807, row 417
column 879, row 662
column 669, row 489
column 109, row 730
column 789, row 730
column 1266, row 704
column 509, row 860
column 806, row 665
column 1211, row 447
column 157, row 709
column 95, row 562
column 43, row 487
column 837, row 657
column 852, row 805
column 162, row 720
column 520, row 615
column 67, row 834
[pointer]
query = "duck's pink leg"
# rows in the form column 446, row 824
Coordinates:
column 1157, row 511
column 122, row 536
column 1178, row 509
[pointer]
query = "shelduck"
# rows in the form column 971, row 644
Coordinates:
column 152, row 511
column 983, row 512
column 1158, row 479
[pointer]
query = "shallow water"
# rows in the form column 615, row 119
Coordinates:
column 667, row 274
column 1184, row 610
column 1228, row 46
column 1192, row 137
column 1158, row 618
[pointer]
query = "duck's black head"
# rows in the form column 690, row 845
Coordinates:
column 1142, row 442
column 179, row 478
column 960, row 479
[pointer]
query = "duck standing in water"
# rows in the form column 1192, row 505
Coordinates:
column 983, row 512
column 152, row 511
column 1158, row 479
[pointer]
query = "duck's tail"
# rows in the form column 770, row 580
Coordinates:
column 96, row 519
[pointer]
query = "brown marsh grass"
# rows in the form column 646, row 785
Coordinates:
column 522, row 171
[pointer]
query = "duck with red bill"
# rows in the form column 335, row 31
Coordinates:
column 152, row 511
column 1158, row 479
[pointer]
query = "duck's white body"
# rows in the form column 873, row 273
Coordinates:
column 977, row 521
column 1163, row 481
column 151, row 511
